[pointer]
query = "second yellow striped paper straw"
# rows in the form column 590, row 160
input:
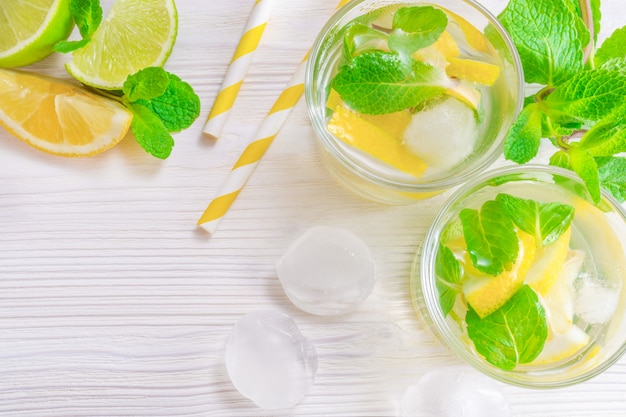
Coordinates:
column 252, row 154
column 238, row 67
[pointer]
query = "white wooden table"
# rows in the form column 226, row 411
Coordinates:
column 113, row 302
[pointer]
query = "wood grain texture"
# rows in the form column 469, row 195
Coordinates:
column 113, row 303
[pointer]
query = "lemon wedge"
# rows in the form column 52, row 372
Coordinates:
column 437, row 54
column 548, row 263
column 58, row 117
column 472, row 70
column 474, row 37
column 355, row 130
column 487, row 293
column 562, row 346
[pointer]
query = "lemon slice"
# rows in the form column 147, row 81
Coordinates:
column 562, row 346
column 487, row 293
column 558, row 302
column 474, row 37
column 471, row 70
column 548, row 263
column 465, row 94
column 353, row 129
column 436, row 54
column 30, row 28
column 58, row 117
column 135, row 34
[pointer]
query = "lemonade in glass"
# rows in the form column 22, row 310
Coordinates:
column 522, row 275
column 409, row 98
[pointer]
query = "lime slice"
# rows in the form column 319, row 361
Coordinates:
column 136, row 34
column 30, row 28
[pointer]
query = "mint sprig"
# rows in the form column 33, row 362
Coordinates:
column 87, row 15
column 579, row 107
column 161, row 103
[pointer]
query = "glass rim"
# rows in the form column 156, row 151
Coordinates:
column 316, row 111
column 429, row 291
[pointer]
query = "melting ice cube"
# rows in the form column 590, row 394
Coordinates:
column 269, row 361
column 327, row 271
column 595, row 299
column 455, row 392
column 442, row 135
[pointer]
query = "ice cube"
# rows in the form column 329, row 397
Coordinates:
column 327, row 271
column 443, row 135
column 455, row 392
column 595, row 300
column 269, row 361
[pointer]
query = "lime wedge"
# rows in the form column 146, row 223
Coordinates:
column 136, row 34
column 30, row 28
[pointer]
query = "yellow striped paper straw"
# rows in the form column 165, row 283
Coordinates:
column 238, row 67
column 252, row 154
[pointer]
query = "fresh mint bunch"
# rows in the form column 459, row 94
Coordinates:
column 161, row 102
column 580, row 106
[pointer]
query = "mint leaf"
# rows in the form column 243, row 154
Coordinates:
column 146, row 84
column 545, row 221
column 583, row 164
column 546, row 36
column 560, row 159
column 360, row 38
column 379, row 82
column 512, row 335
column 583, row 33
column 612, row 176
column 522, row 142
column 612, row 47
column 608, row 136
column 415, row 28
column 87, row 15
column 615, row 64
column 596, row 17
column 69, row 46
column 448, row 274
column 150, row 132
column 588, row 95
column 490, row 236
column 178, row 106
